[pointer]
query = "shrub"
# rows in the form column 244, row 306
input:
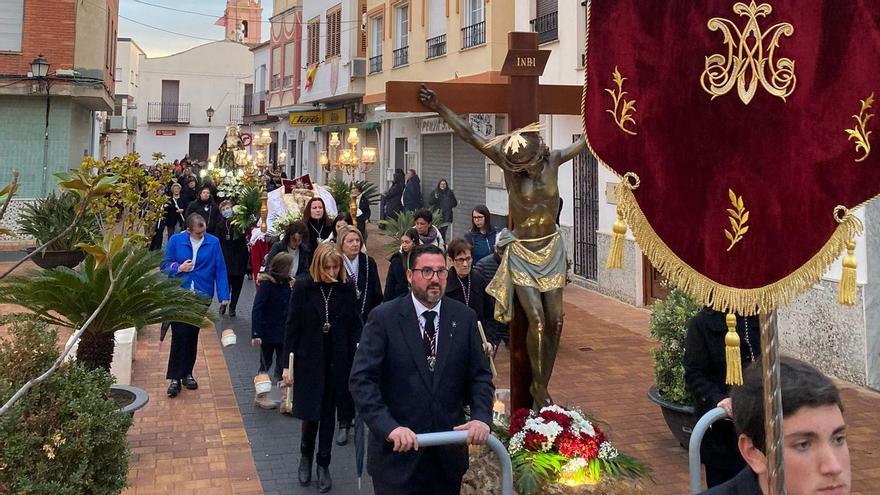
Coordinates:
column 45, row 218
column 65, row 436
column 669, row 321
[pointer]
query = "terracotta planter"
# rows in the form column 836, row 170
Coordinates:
column 54, row 259
column 679, row 418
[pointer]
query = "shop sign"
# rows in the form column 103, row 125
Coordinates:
column 305, row 118
column 434, row 125
column 166, row 132
column 334, row 117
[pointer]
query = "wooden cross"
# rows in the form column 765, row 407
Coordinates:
column 523, row 99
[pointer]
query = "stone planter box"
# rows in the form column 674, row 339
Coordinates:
column 123, row 354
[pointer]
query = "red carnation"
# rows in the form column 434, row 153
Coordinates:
column 518, row 420
column 534, row 441
column 567, row 444
column 561, row 419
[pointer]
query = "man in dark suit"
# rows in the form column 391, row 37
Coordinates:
column 419, row 362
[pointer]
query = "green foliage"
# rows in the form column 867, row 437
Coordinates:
column 669, row 321
column 65, row 437
column 341, row 192
column 397, row 226
column 142, row 295
column 46, row 218
column 535, row 470
column 137, row 200
column 246, row 211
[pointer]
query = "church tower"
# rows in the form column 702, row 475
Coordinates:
column 244, row 21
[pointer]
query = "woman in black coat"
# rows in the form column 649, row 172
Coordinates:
column 396, row 284
column 443, row 199
column 705, row 371
column 323, row 330
column 295, row 243
column 394, row 195
column 205, row 206
column 269, row 314
column 467, row 286
column 235, row 254
column 320, row 225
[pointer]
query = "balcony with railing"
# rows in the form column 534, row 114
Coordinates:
column 401, row 56
column 236, row 114
column 547, row 27
column 473, row 35
column 159, row 112
column 436, row 46
column 255, row 103
column 376, row 64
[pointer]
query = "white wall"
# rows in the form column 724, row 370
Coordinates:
column 128, row 61
column 210, row 75
column 261, row 69
column 350, row 31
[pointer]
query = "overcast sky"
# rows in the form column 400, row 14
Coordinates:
column 194, row 28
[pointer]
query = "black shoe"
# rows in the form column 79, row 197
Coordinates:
column 232, row 313
column 305, row 470
column 342, row 434
column 324, row 481
column 222, row 309
column 190, row 383
column 174, row 388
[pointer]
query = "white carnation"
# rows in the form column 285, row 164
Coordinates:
column 548, row 430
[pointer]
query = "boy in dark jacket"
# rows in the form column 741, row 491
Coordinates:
column 268, row 317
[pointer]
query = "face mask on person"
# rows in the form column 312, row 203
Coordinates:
column 227, row 213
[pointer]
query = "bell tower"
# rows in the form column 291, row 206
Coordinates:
column 244, row 21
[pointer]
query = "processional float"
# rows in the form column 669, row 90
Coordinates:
column 742, row 135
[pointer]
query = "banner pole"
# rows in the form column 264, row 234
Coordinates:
column 772, row 403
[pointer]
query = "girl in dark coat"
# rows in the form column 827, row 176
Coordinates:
column 323, row 329
column 467, row 286
column 396, row 284
column 294, row 242
column 320, row 225
column 341, row 222
column 482, row 234
column 205, row 206
column 270, row 313
column 705, row 371
column 235, row 254
column 443, row 199
column 394, row 195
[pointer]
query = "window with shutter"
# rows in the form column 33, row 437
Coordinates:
column 334, row 33
column 314, row 38
column 11, row 22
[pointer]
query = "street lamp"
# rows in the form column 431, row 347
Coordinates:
column 39, row 70
column 210, row 113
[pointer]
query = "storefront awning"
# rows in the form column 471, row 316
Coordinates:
column 342, row 127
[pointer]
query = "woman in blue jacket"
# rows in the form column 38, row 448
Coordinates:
column 194, row 257
column 482, row 234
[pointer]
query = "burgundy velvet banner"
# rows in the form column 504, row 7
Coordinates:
column 695, row 131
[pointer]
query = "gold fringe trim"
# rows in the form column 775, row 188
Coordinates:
column 618, row 238
column 847, row 294
column 724, row 298
column 731, row 347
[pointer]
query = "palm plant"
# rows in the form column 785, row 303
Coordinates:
column 341, row 192
column 46, row 218
column 141, row 296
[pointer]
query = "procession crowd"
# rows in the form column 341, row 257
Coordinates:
column 354, row 337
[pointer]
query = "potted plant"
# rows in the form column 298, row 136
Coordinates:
column 64, row 436
column 45, row 219
column 669, row 322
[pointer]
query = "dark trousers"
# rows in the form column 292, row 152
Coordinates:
column 267, row 351
column 235, row 283
column 184, row 344
column 426, row 480
column 322, row 429
column 444, row 230
column 156, row 241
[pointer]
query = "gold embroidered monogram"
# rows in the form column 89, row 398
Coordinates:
column 859, row 132
column 621, row 113
column 751, row 57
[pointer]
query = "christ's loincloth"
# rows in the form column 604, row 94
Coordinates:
column 544, row 269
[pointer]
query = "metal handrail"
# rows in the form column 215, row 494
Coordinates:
column 694, row 445
column 460, row 437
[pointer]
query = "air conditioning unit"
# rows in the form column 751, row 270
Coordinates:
column 358, row 67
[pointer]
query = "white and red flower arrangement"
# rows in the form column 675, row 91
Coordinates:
column 560, row 445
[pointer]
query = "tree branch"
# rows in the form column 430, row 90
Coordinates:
column 73, row 224
column 67, row 348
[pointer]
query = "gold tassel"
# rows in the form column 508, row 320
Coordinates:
column 731, row 344
column 847, row 293
column 618, row 238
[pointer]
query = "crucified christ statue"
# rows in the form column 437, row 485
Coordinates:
column 534, row 265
